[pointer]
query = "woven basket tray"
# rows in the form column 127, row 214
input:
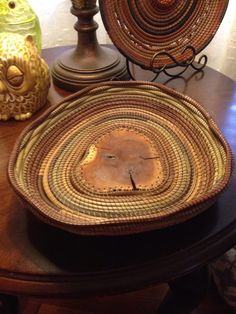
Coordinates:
column 140, row 29
column 120, row 158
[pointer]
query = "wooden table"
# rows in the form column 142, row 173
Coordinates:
column 39, row 260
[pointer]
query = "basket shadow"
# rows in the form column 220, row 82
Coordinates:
column 76, row 253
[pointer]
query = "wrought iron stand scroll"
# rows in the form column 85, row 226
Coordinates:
column 183, row 65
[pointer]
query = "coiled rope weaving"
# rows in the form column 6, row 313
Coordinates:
column 142, row 28
column 120, row 158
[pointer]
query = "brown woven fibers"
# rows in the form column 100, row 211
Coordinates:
column 119, row 158
column 141, row 28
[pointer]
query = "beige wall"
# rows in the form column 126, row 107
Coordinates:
column 57, row 22
column 57, row 26
column 222, row 50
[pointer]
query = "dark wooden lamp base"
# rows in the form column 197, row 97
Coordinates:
column 71, row 72
column 89, row 62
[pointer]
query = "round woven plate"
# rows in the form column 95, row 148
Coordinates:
column 142, row 28
column 119, row 158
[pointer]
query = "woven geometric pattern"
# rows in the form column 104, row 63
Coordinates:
column 121, row 157
column 142, row 28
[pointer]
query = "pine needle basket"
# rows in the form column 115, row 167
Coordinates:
column 140, row 29
column 121, row 158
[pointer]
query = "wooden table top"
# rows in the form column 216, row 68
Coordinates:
column 38, row 259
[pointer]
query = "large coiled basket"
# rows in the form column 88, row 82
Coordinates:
column 120, row 158
column 159, row 33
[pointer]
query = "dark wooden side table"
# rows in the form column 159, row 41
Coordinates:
column 38, row 260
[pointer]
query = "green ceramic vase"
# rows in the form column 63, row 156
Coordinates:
column 17, row 16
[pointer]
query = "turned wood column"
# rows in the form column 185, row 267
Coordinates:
column 88, row 62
